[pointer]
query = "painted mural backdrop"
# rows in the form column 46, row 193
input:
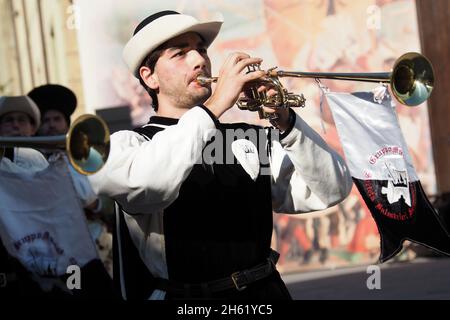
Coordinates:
column 307, row 35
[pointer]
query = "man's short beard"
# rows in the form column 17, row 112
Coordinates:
column 187, row 101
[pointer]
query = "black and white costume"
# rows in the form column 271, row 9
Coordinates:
column 190, row 221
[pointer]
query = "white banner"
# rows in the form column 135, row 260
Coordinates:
column 42, row 223
column 371, row 136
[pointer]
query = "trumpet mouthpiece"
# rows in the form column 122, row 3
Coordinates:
column 205, row 80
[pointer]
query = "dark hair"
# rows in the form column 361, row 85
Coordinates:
column 152, row 58
column 150, row 62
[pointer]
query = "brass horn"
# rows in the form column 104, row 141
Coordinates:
column 411, row 81
column 86, row 144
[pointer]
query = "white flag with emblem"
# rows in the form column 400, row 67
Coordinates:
column 382, row 169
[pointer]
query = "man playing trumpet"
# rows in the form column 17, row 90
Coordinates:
column 194, row 195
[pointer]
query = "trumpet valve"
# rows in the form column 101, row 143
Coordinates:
column 295, row 100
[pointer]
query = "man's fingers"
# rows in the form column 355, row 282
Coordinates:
column 238, row 56
column 271, row 92
column 269, row 110
column 233, row 59
column 242, row 64
column 251, row 76
column 262, row 88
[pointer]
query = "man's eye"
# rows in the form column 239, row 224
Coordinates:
column 202, row 50
column 178, row 54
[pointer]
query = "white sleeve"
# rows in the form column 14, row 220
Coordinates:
column 145, row 176
column 307, row 175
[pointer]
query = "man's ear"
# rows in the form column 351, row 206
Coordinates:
column 150, row 79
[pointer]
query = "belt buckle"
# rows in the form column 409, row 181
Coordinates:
column 234, row 278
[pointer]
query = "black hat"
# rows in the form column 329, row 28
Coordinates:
column 54, row 97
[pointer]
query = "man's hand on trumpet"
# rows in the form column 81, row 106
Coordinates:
column 278, row 116
column 231, row 82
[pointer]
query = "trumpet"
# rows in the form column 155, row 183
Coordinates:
column 411, row 81
column 86, row 144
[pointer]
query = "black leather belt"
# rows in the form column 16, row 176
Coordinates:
column 237, row 280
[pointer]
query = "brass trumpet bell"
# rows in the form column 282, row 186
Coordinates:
column 86, row 144
column 412, row 79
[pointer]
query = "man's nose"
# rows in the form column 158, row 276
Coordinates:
column 197, row 60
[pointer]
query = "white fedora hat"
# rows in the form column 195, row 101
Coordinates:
column 20, row 104
column 161, row 27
